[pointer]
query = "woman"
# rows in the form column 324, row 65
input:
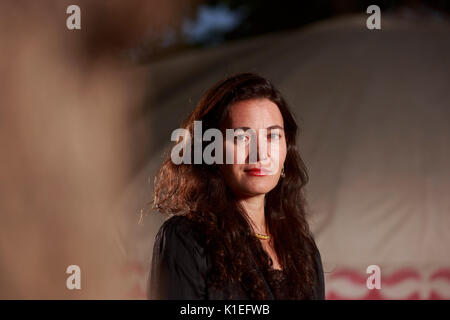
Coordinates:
column 237, row 231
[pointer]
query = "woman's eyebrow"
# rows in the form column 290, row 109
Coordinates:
column 275, row 127
column 268, row 128
column 242, row 128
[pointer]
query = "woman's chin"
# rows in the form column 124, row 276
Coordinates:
column 256, row 188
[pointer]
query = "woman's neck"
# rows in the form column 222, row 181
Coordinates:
column 254, row 206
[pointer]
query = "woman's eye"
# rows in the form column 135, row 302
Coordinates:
column 241, row 138
column 274, row 136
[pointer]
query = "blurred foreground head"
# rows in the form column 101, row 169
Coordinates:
column 66, row 105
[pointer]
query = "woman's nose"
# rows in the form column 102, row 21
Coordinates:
column 262, row 152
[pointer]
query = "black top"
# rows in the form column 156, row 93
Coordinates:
column 278, row 284
column 179, row 268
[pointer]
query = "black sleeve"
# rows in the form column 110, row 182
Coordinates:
column 319, row 290
column 178, row 267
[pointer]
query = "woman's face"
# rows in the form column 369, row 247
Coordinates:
column 246, row 178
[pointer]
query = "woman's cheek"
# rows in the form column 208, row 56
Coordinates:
column 282, row 154
column 240, row 153
column 235, row 153
column 275, row 156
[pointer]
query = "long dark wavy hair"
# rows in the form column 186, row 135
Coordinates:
column 199, row 192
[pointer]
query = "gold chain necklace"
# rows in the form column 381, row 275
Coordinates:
column 263, row 236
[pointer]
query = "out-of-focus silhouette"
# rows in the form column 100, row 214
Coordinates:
column 69, row 142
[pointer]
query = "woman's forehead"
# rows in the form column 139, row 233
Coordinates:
column 255, row 113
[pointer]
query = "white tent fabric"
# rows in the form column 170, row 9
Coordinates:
column 373, row 107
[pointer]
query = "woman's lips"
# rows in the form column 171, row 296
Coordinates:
column 258, row 172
